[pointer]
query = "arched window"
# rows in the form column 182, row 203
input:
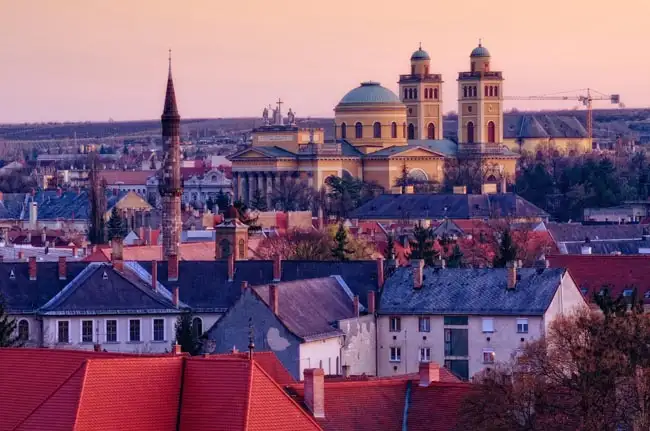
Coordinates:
column 486, row 90
column 415, row 93
column 417, row 176
column 224, row 245
column 376, row 130
column 406, row 93
column 496, row 91
column 435, row 93
column 393, row 130
column 358, row 131
column 410, row 93
column 23, row 330
column 464, row 91
column 491, row 179
column 197, row 327
column 491, row 132
column 242, row 249
column 474, row 92
column 411, row 131
column 431, row 131
column 344, row 131
column 470, row 133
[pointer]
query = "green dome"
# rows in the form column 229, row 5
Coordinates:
column 480, row 51
column 420, row 54
column 370, row 92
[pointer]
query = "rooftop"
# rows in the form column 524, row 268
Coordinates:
column 370, row 93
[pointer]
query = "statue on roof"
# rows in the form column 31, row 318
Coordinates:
column 291, row 117
column 265, row 116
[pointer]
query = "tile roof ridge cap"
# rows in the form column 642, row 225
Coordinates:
column 372, row 381
column 247, row 405
column 85, row 365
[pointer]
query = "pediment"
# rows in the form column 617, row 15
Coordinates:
column 250, row 153
column 418, row 152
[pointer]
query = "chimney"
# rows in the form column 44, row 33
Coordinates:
column 177, row 349
column 20, row 255
column 345, row 370
column 439, row 263
column 418, row 269
column 33, row 214
column 371, row 302
column 97, row 347
column 585, row 249
column 74, row 251
column 512, row 274
column 172, row 268
column 315, row 391
column 175, row 296
column 43, row 236
column 231, row 267
column 244, row 285
column 147, row 235
column 380, row 273
column 32, row 267
column 117, row 255
column 63, row 270
column 273, row 298
column 277, row 268
column 355, row 305
column 429, row 372
column 154, row 274
column 141, row 235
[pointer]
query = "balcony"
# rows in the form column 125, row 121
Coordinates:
column 479, row 75
column 431, row 77
column 331, row 149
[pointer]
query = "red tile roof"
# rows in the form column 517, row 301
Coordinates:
column 189, row 251
column 435, row 407
column 592, row 272
column 268, row 361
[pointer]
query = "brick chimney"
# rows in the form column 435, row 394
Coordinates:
column 371, row 302
column 147, row 235
column 175, row 296
column 511, row 267
column 141, row 235
column 154, row 274
column 21, row 255
column 177, row 349
column 117, row 254
column 277, row 268
column 315, row 391
column 345, row 371
column 43, row 236
column 429, row 372
column 63, row 270
column 380, row 272
column 355, row 305
column 32, row 267
column 74, row 251
column 418, row 269
column 97, row 347
column 172, row 268
column 231, row 267
column 273, row 298
column 244, row 285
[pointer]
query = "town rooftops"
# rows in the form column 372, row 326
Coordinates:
column 577, row 232
column 470, row 291
column 455, row 206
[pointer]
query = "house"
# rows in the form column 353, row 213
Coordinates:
column 466, row 319
column 307, row 323
column 576, row 238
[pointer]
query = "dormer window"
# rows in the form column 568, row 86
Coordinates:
column 105, row 276
column 12, row 275
column 628, row 292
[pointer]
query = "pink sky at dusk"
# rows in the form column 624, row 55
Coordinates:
column 79, row 60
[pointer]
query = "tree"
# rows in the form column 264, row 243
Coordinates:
column 455, row 259
column 185, row 336
column 390, row 248
column 125, row 150
column 244, row 216
column 292, row 195
column 348, row 193
column 222, row 201
column 422, row 245
column 258, row 201
column 403, row 179
column 116, row 226
column 507, row 251
column 8, row 328
column 209, row 204
column 97, row 200
column 340, row 251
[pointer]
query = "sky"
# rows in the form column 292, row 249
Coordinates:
column 91, row 60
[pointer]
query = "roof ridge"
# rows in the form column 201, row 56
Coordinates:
column 147, row 290
column 248, row 396
column 85, row 365
column 72, row 286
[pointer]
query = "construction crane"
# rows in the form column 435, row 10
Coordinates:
column 587, row 96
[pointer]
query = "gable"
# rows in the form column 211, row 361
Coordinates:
column 417, row 152
column 250, row 153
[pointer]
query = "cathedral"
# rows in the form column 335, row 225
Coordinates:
column 379, row 134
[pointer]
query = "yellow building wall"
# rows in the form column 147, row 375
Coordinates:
column 386, row 172
column 367, row 116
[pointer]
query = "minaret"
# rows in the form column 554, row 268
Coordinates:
column 171, row 187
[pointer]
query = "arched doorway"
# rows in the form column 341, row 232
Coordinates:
column 411, row 133
column 491, row 132
column 431, row 131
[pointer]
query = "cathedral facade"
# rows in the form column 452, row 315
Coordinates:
column 379, row 134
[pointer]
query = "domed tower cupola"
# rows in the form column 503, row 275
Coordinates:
column 480, row 59
column 420, row 62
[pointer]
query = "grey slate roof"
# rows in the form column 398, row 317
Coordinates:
column 100, row 289
column 562, row 232
column 455, row 206
column 310, row 308
column 542, row 126
column 470, row 291
column 630, row 246
column 443, row 146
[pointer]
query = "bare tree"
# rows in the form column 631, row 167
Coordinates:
column 97, row 198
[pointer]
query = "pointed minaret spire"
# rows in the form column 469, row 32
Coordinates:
column 171, row 109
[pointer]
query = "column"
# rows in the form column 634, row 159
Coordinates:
column 260, row 182
column 310, row 179
column 251, row 187
column 235, row 185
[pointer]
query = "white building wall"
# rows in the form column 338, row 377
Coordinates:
column 567, row 299
column 323, row 354
column 34, row 329
column 359, row 345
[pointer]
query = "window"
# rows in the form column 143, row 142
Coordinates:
column 628, row 292
column 459, row 367
column 411, row 134
column 406, row 93
column 134, row 330
column 86, row 331
column 158, row 329
column 344, row 131
column 496, row 91
column 426, row 70
column 456, row 320
column 491, row 91
column 464, row 91
column 522, row 326
column 395, row 354
column 415, row 93
column 358, row 131
column 488, row 356
column 111, row 331
column 486, row 91
column 431, row 131
column 413, row 69
column 224, row 244
column 470, row 132
column 456, row 342
column 393, row 130
column 425, row 354
column 395, row 324
column 197, row 327
column 424, row 324
column 23, row 330
column 491, row 132
column 63, row 332
column 647, row 295
column 488, row 324
column 242, row 249
column 376, row 130
column 435, row 93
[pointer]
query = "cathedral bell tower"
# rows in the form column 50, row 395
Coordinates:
column 480, row 105
column 421, row 92
column 170, row 183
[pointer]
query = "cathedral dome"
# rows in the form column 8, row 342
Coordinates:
column 420, row 54
column 370, row 93
column 480, row 51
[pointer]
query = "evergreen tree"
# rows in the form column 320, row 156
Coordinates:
column 455, row 260
column 222, row 201
column 507, row 250
column 8, row 325
column 97, row 200
column 390, row 248
column 185, row 336
column 244, row 216
column 403, row 179
column 209, row 204
column 125, row 150
column 620, row 306
column 340, row 251
column 422, row 246
column 258, row 201
column 116, row 225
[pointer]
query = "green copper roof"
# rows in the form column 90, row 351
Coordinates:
column 420, row 54
column 370, row 92
column 480, row 51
